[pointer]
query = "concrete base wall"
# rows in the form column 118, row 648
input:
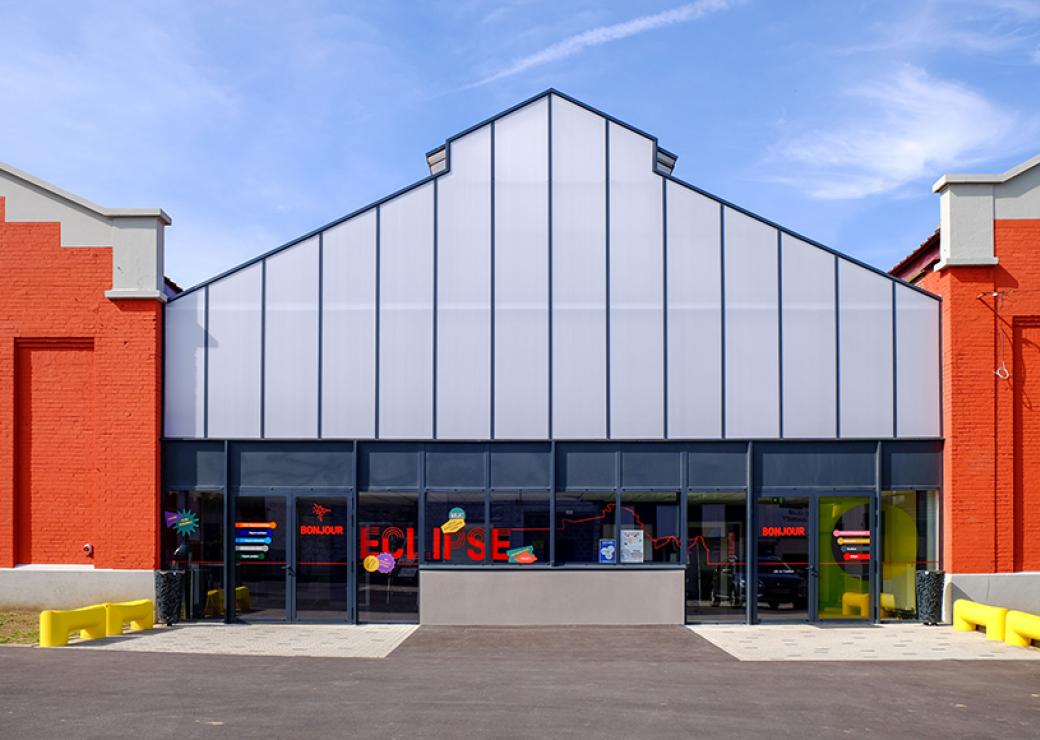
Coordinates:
column 32, row 588
column 551, row 597
column 1012, row 590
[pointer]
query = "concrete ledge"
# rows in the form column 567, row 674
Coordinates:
column 66, row 588
column 1020, row 591
column 551, row 597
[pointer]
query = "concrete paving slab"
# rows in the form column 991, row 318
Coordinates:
column 897, row 642
column 282, row 640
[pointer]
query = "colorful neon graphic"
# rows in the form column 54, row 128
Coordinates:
column 524, row 555
column 253, row 539
column 185, row 522
column 386, row 563
column 320, row 511
column 370, row 564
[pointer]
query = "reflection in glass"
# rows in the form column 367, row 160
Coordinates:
column 582, row 520
column 520, row 528
column 716, row 572
column 199, row 553
column 322, row 558
column 260, row 557
column 843, row 531
column 656, row 517
column 388, row 566
column 455, row 528
column 783, row 557
column 909, row 543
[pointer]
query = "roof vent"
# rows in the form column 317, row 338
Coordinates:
column 665, row 161
column 438, row 160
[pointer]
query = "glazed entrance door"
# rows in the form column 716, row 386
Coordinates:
column 815, row 553
column 292, row 558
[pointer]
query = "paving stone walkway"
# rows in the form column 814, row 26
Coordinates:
column 791, row 642
column 318, row 641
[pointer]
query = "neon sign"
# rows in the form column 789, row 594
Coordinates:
column 791, row 531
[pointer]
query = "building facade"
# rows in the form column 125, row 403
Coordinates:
column 983, row 262
column 549, row 384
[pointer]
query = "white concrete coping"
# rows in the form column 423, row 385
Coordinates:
column 985, row 179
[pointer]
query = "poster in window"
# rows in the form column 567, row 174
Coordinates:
column 631, row 546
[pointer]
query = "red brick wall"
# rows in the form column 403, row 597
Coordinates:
column 79, row 406
column 992, row 425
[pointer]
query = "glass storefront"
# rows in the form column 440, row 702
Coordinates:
column 388, row 576
column 520, row 528
column 193, row 541
column 784, row 557
column 716, row 574
column 455, row 531
column 261, row 557
column 844, row 557
column 909, row 543
column 585, row 527
column 322, row 571
column 650, row 531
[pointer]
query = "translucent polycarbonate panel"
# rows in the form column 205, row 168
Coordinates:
column 809, row 355
column 406, row 316
column 522, row 274
column 464, row 290
column 694, row 315
column 579, row 372
column 865, row 351
column 917, row 364
column 752, row 354
column 348, row 355
column 291, row 342
column 184, row 360
column 636, row 288
column 234, row 355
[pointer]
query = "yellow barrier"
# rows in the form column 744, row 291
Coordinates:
column 861, row 603
column 56, row 624
column 215, row 601
column 967, row 615
column 140, row 614
column 1021, row 629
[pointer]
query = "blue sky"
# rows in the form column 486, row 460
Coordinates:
column 252, row 123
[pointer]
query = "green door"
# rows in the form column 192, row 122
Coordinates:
column 845, row 551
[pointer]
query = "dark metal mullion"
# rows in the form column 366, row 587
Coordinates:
column 750, row 539
column 290, row 557
column 353, row 543
column 321, row 320
column 549, row 291
column 722, row 318
column 487, row 503
column 617, row 507
column 491, row 385
column 205, row 364
column 552, row 503
column 780, row 331
column 874, row 569
column 229, row 541
column 606, row 189
column 813, row 596
column 263, row 349
column 421, row 495
column 664, row 301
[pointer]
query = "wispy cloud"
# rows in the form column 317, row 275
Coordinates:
column 901, row 129
column 578, row 43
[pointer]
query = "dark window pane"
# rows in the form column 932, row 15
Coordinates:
column 909, row 543
column 716, row 569
column 388, row 566
column 582, row 520
column 783, row 557
column 260, row 557
column 193, row 541
column 322, row 558
column 650, row 530
column 455, row 528
column 520, row 528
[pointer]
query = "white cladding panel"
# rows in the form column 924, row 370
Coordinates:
column 579, row 390
column 694, row 315
column 752, row 353
column 291, row 342
column 464, row 290
column 865, row 351
column 234, row 355
column 521, row 351
column 636, row 288
column 184, row 359
column 348, row 358
column 809, row 314
column 917, row 364
column 406, row 315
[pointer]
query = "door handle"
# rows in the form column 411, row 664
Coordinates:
column 814, row 572
column 289, row 569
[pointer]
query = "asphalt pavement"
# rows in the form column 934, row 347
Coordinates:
column 511, row 683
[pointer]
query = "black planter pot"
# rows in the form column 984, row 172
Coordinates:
column 169, row 594
column 929, row 595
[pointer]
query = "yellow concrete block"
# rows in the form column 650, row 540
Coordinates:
column 854, row 603
column 1021, row 628
column 140, row 614
column 242, row 598
column 967, row 615
column 56, row 624
column 215, row 601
